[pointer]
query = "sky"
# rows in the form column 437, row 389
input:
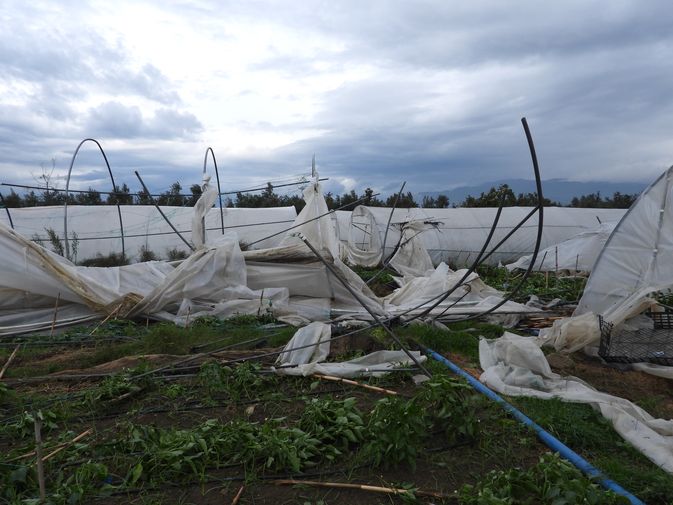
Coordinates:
column 427, row 92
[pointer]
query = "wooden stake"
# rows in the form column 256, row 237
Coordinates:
column 53, row 321
column 117, row 309
column 355, row 383
column 556, row 260
column 189, row 313
column 238, row 496
column 363, row 487
column 9, row 361
column 38, row 451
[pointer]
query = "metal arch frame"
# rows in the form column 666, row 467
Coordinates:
column 540, row 226
column 67, row 194
column 480, row 259
column 156, row 206
column 217, row 178
column 469, row 271
column 2, row 200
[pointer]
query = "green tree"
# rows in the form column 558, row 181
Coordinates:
column 173, row 196
column 492, row 198
column 405, row 201
column 91, row 197
column 13, row 200
column 120, row 196
column 196, row 191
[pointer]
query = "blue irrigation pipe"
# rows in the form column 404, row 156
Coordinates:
column 546, row 437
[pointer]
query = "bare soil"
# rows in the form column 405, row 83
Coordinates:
column 654, row 394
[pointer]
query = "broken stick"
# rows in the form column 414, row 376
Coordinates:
column 356, row 383
column 363, row 487
column 9, row 361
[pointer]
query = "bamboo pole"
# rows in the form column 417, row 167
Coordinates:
column 9, row 361
column 363, row 487
column 68, row 444
column 53, row 321
column 58, row 448
column 117, row 309
column 356, row 383
column 238, row 496
column 189, row 313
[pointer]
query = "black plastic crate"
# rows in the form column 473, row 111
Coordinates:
column 646, row 345
column 662, row 320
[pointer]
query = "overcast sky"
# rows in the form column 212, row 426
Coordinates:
column 430, row 92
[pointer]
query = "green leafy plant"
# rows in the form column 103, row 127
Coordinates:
column 24, row 426
column 240, row 381
column 395, row 433
column 336, row 423
column 553, row 481
column 449, row 405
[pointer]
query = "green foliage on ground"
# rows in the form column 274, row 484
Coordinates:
column 553, row 481
column 118, row 338
column 587, row 432
column 545, row 286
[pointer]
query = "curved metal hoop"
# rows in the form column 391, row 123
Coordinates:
column 67, row 194
column 2, row 201
column 217, row 178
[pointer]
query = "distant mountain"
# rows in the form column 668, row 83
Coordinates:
column 558, row 190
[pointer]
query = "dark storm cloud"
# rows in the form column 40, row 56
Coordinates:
column 594, row 84
column 437, row 102
column 115, row 120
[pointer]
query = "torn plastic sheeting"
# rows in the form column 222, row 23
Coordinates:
column 515, row 366
column 300, row 279
column 364, row 246
column 207, row 279
column 438, row 281
column 320, row 231
column 203, row 205
column 411, row 259
column 311, row 360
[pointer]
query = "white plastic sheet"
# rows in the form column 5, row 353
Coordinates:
column 311, row 360
column 98, row 231
column 637, row 258
column 577, row 254
column 515, row 366
column 456, row 235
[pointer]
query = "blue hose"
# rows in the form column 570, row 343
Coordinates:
column 549, row 440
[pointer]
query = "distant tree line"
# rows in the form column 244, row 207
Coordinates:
column 121, row 195
column 269, row 198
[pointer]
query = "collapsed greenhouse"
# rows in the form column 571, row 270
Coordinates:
column 302, row 270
